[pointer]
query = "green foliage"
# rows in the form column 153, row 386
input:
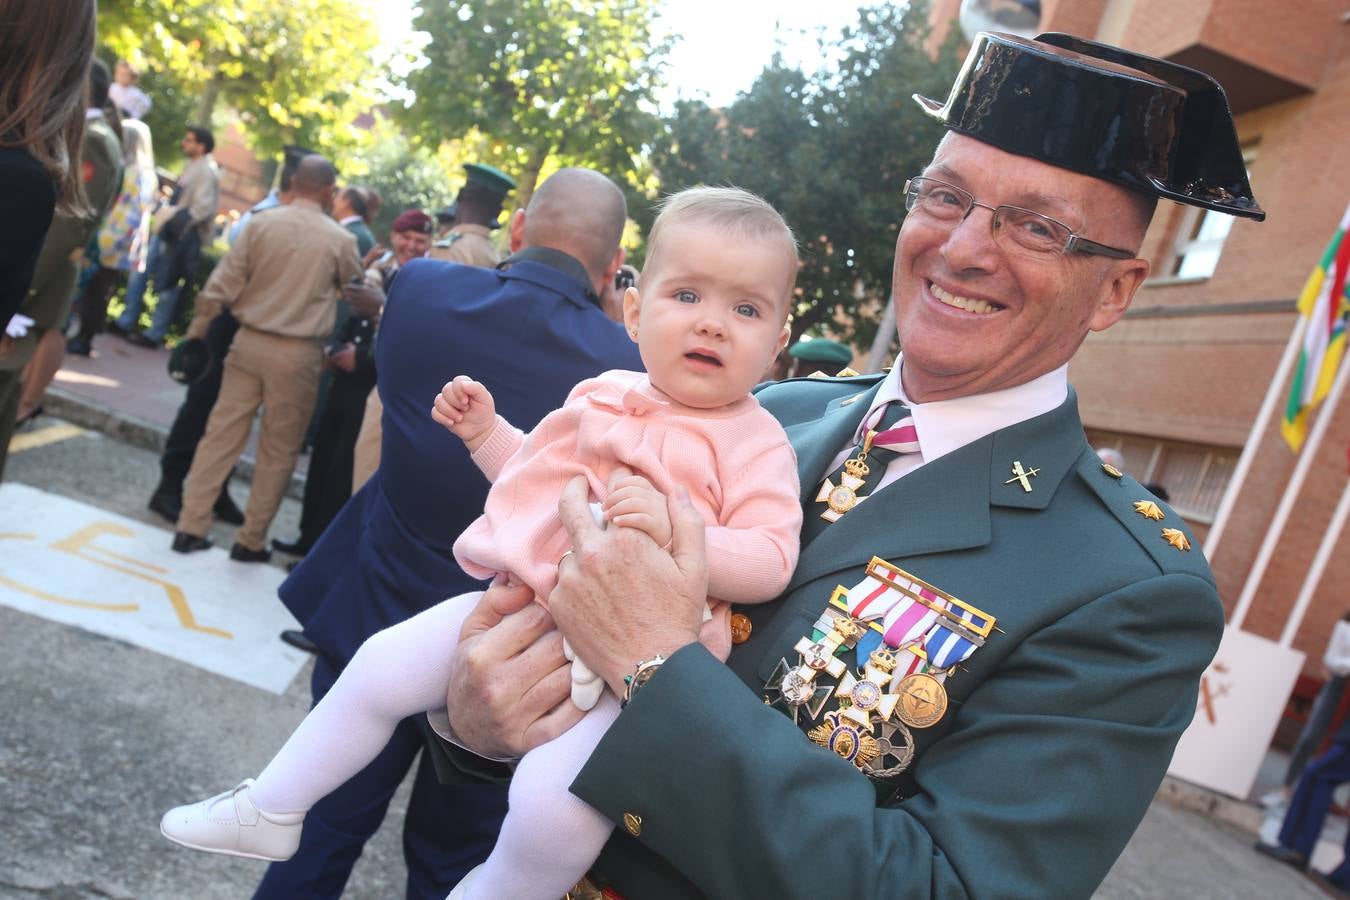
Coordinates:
column 407, row 177
column 293, row 71
column 831, row 151
column 566, row 83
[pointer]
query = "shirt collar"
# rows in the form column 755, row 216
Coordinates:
column 92, row 113
column 350, row 220
column 566, row 263
column 947, row 425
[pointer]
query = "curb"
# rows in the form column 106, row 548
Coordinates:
column 137, row 432
column 1193, row 798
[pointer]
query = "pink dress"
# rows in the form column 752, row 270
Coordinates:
column 735, row 462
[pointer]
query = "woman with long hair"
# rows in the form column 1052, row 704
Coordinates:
column 45, row 51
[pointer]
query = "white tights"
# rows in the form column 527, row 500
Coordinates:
column 549, row 838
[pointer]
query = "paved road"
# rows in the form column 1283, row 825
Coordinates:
column 98, row 736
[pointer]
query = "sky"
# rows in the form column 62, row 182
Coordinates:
column 724, row 43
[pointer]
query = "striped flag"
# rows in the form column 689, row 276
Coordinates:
column 1325, row 302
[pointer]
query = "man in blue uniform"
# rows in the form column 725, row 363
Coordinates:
column 529, row 330
column 992, row 641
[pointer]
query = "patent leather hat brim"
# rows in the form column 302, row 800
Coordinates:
column 1147, row 124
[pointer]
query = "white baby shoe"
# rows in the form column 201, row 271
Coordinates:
column 230, row 824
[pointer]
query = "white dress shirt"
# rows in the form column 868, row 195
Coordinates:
column 947, row 425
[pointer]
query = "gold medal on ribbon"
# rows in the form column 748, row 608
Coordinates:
column 923, row 700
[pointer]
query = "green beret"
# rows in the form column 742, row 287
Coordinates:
column 821, row 350
column 493, row 179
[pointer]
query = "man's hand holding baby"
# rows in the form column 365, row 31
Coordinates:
column 466, row 408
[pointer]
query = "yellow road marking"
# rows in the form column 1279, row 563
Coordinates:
column 66, row 601
column 43, row 437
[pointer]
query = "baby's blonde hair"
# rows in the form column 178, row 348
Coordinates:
column 736, row 211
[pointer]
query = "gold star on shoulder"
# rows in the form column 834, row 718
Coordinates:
column 1149, row 510
column 1176, row 538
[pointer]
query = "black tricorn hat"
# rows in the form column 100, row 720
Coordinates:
column 1148, row 124
column 189, row 360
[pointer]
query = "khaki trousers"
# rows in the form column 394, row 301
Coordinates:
column 280, row 374
column 367, row 456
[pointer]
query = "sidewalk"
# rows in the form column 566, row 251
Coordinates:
column 125, row 392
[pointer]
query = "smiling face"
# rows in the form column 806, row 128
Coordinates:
column 973, row 317
column 711, row 312
column 408, row 245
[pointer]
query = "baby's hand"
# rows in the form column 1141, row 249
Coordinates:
column 634, row 503
column 466, row 409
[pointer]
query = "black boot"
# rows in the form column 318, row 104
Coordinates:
column 225, row 510
column 167, row 501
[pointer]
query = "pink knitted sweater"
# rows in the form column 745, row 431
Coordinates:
column 735, row 462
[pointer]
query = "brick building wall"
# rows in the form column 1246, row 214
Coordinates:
column 1189, row 366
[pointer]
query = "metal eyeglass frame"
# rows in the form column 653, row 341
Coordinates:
column 1072, row 244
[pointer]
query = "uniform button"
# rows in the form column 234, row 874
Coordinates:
column 740, row 628
column 633, row 822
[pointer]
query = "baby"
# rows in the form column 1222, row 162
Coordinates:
column 709, row 317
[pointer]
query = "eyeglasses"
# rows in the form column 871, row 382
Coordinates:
column 1014, row 228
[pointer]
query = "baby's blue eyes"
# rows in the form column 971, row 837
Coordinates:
column 749, row 310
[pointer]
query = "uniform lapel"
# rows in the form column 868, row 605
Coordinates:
column 944, row 505
column 818, row 441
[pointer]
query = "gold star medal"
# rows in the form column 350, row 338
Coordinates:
column 1176, row 538
column 1149, row 510
column 846, row 740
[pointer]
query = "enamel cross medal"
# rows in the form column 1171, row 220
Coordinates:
column 796, row 686
column 842, row 497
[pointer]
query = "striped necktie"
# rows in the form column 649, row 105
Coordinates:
column 857, row 476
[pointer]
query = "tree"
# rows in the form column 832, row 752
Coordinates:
column 407, row 177
column 566, row 81
column 294, row 72
column 831, row 151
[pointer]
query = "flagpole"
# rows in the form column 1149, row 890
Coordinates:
column 1305, row 461
column 1319, row 565
column 1253, row 442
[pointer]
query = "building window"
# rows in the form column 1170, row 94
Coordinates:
column 1200, row 236
column 1193, row 475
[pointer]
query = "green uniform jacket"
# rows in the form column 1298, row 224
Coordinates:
column 1059, row 731
column 54, row 277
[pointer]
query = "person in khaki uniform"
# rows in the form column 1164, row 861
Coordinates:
column 280, row 281
column 477, row 207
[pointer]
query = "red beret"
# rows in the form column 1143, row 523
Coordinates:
column 413, row 220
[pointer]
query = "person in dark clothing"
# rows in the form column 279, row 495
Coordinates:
column 41, row 127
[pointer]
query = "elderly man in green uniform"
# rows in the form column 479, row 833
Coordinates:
column 53, row 287
column 477, row 207
column 992, row 642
